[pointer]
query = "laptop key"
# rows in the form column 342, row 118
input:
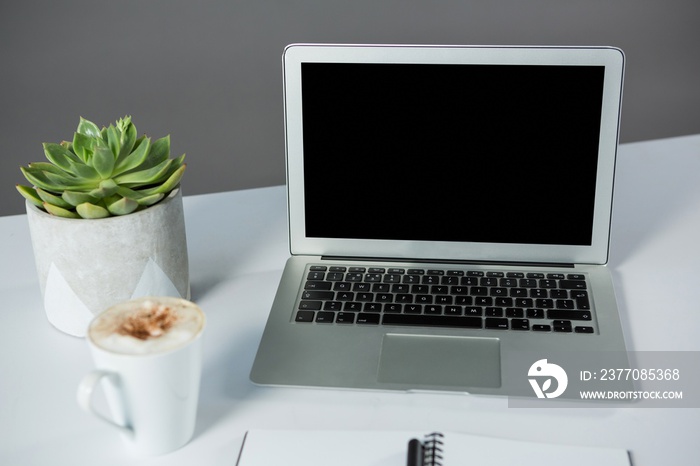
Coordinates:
column 569, row 315
column 516, row 312
column 583, row 329
column 393, row 308
column 520, row 324
column 305, row 316
column 494, row 312
column 582, row 303
column 317, row 285
column 562, row 325
column 363, row 318
column 542, row 328
column 317, row 275
column 353, row 277
column 317, row 295
column 343, row 286
column 332, row 306
column 352, row 306
column 344, row 296
column 473, row 311
column 310, row 305
column 496, row 323
column 572, row 284
column 392, row 278
column 567, row 304
column 413, row 309
column 325, row 317
column 345, row 318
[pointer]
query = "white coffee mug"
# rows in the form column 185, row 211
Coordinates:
column 152, row 392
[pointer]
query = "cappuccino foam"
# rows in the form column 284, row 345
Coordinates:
column 147, row 325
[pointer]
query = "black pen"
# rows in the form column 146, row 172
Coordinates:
column 415, row 453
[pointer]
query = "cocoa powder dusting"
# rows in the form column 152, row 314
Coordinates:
column 148, row 323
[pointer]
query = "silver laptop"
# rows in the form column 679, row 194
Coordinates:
column 449, row 212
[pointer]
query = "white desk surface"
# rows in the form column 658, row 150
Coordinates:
column 237, row 248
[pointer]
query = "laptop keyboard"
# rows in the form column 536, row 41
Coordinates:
column 476, row 299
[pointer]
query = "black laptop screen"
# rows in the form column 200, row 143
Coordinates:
column 475, row 153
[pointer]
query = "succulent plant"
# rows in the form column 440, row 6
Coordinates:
column 102, row 172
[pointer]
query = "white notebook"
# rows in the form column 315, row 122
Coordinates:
column 390, row 448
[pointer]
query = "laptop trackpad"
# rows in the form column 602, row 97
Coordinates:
column 427, row 360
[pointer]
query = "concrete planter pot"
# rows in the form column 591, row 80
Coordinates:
column 86, row 266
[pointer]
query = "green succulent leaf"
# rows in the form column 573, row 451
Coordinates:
column 82, row 146
column 150, row 200
column 60, row 211
column 60, row 182
column 68, row 162
column 86, row 172
column 74, row 198
column 127, row 139
column 60, row 156
column 53, row 199
column 160, row 151
column 51, row 178
column 177, row 163
column 106, row 188
column 144, row 177
column 113, row 140
column 46, row 167
column 135, row 159
column 30, row 194
column 103, row 161
column 38, row 178
column 123, row 206
column 138, row 196
column 89, row 210
column 169, row 184
column 123, row 123
column 88, row 128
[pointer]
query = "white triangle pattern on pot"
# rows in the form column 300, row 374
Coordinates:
column 154, row 282
column 63, row 307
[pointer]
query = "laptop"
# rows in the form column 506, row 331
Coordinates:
column 449, row 212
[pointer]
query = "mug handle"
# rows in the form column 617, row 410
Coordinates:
column 85, row 391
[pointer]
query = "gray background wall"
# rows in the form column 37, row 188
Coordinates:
column 209, row 72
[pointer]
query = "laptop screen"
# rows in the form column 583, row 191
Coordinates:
column 469, row 153
column 451, row 152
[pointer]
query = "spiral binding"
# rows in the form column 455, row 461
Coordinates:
column 432, row 449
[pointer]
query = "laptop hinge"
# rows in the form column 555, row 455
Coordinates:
column 449, row 261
